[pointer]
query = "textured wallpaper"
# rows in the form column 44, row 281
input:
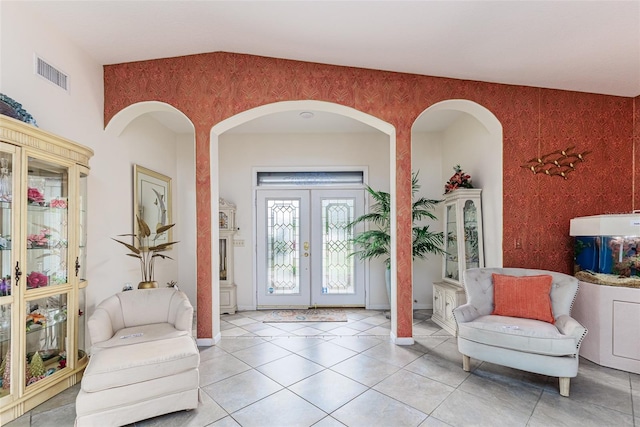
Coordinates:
column 209, row 88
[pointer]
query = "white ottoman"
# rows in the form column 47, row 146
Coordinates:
column 129, row 383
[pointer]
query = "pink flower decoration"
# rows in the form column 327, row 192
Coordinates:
column 38, row 240
column 34, row 195
column 37, row 280
column 58, row 203
column 458, row 180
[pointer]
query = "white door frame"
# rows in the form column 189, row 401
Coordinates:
column 254, row 213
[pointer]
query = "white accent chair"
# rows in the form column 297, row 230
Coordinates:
column 525, row 344
column 144, row 360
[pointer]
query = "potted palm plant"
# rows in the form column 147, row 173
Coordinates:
column 146, row 250
column 376, row 241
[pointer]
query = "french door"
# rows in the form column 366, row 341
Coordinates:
column 304, row 247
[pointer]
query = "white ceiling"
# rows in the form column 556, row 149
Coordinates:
column 587, row 46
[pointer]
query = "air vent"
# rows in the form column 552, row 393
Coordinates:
column 52, row 74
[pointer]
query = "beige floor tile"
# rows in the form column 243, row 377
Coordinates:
column 282, row 409
column 241, row 390
column 365, row 370
column 415, row 390
column 328, row 390
column 290, row 369
column 261, row 354
column 326, row 354
column 375, row 409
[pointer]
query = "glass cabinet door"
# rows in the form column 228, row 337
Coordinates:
column 471, row 242
column 47, row 227
column 81, row 260
column 46, row 337
column 8, row 297
column 451, row 244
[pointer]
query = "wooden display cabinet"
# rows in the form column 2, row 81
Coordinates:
column 228, row 289
column 463, row 245
column 43, row 194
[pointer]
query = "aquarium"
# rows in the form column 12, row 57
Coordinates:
column 607, row 249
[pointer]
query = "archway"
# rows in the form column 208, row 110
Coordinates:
column 460, row 132
column 139, row 125
column 272, row 109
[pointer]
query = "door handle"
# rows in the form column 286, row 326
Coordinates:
column 306, row 254
column 306, row 246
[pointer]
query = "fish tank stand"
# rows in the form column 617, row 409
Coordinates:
column 607, row 263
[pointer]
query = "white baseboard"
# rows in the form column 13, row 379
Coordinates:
column 208, row 342
column 246, row 308
column 205, row 342
column 401, row 341
column 379, row 307
column 422, row 306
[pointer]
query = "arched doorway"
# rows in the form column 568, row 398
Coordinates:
column 160, row 137
column 272, row 111
column 459, row 132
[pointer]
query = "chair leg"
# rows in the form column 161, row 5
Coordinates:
column 466, row 363
column 564, row 386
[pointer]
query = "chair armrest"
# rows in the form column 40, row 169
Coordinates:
column 465, row 313
column 184, row 316
column 100, row 327
column 567, row 325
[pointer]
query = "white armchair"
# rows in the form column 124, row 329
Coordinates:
column 521, row 343
column 144, row 360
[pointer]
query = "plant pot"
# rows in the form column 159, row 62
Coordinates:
column 148, row 285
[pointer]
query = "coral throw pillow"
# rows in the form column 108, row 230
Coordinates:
column 523, row 296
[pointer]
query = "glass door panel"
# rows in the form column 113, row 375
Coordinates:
column 451, row 244
column 46, row 337
column 81, row 261
column 337, row 277
column 472, row 253
column 47, row 227
column 6, row 370
column 6, row 221
column 283, row 248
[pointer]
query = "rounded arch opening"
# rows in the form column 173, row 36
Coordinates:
column 167, row 114
column 258, row 113
column 159, row 137
column 460, row 132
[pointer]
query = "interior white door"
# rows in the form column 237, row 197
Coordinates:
column 304, row 247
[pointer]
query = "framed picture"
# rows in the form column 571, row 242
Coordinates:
column 152, row 201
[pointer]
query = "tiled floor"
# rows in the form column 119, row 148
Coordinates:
column 337, row 374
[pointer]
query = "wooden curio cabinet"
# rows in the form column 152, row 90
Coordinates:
column 463, row 245
column 43, row 196
column 228, row 229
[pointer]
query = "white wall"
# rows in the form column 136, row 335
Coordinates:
column 147, row 143
column 426, row 157
column 468, row 143
column 78, row 115
column 240, row 153
column 184, row 196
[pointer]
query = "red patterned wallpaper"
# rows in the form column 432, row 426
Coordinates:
column 209, row 88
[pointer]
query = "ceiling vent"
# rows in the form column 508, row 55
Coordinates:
column 52, row 74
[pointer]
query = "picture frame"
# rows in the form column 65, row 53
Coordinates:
column 152, row 202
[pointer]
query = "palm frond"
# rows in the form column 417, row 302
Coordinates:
column 376, row 243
